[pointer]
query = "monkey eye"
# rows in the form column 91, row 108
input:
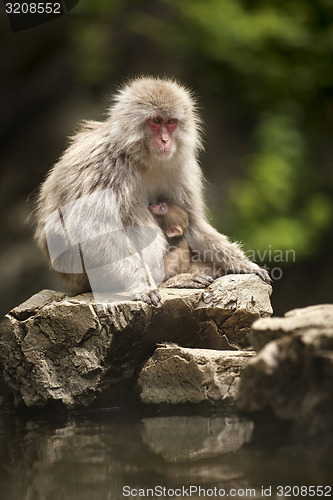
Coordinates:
column 156, row 119
column 171, row 121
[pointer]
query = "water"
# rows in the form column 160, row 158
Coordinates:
column 104, row 455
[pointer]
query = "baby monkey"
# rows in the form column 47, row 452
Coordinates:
column 173, row 221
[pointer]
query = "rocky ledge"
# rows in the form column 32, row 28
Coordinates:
column 292, row 374
column 72, row 352
column 194, row 347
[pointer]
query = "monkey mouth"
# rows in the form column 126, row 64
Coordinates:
column 163, row 152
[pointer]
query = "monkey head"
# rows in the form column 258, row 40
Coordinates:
column 157, row 114
column 171, row 218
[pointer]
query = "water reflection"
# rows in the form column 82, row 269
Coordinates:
column 93, row 456
column 179, row 438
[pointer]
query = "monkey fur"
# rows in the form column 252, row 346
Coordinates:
column 174, row 223
column 146, row 149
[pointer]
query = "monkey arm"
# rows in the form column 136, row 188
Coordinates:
column 213, row 246
column 108, row 236
column 133, row 256
column 207, row 244
column 210, row 246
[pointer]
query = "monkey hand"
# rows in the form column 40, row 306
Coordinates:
column 263, row 274
column 188, row 280
column 152, row 297
column 254, row 269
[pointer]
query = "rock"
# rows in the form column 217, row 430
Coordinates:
column 3, row 399
column 233, row 303
column 316, row 317
column 293, row 374
column 70, row 350
column 181, row 375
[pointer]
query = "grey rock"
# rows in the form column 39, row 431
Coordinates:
column 36, row 303
column 69, row 350
column 3, row 398
column 181, row 375
column 233, row 303
column 316, row 317
column 293, row 374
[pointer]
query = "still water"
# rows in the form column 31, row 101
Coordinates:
column 112, row 455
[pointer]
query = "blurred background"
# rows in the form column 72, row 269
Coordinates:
column 262, row 71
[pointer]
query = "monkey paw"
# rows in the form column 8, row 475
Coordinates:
column 254, row 269
column 263, row 274
column 188, row 280
column 152, row 297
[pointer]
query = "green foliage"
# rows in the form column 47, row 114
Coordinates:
column 92, row 39
column 275, row 202
column 272, row 59
column 275, row 49
column 276, row 60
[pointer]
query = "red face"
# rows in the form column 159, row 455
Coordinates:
column 162, row 130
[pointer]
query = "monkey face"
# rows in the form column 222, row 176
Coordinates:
column 160, row 209
column 161, row 135
column 171, row 219
column 160, row 213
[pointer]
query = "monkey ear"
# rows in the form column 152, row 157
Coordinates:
column 174, row 231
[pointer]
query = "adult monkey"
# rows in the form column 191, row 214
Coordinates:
column 146, row 150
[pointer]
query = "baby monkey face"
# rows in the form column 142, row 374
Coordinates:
column 172, row 219
column 159, row 209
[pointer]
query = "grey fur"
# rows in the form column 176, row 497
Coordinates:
column 115, row 155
